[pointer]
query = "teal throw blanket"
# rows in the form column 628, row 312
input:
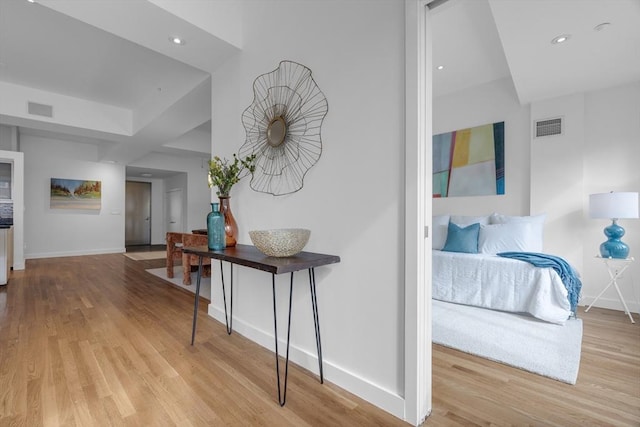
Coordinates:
column 565, row 271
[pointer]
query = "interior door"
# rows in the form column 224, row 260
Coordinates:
column 174, row 210
column 137, row 213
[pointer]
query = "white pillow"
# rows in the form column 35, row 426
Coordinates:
column 439, row 224
column 537, row 224
column 464, row 220
column 496, row 218
column 509, row 237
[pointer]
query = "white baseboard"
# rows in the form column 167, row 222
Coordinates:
column 611, row 303
column 361, row 387
column 74, row 253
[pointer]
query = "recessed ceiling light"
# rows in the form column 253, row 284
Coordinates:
column 31, row 1
column 177, row 40
column 561, row 38
column 601, row 27
column 440, row 67
column 146, row 175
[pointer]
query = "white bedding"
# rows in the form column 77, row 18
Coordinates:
column 500, row 283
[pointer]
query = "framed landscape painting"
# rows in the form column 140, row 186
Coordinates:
column 469, row 162
column 75, row 194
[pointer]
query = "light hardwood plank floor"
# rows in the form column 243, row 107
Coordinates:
column 96, row 340
column 469, row 390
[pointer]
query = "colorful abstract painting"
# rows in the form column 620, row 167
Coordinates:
column 469, row 162
column 75, row 194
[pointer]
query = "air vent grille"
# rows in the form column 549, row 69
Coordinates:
column 548, row 127
column 40, row 109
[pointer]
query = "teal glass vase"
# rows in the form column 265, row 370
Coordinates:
column 215, row 229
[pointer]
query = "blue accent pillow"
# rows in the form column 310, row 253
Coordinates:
column 462, row 239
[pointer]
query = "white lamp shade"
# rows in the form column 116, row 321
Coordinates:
column 613, row 205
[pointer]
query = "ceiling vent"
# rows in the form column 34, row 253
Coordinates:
column 40, row 109
column 548, row 127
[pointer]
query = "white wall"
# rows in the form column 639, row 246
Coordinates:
column 353, row 198
column 612, row 152
column 557, row 182
column 57, row 232
column 489, row 103
column 8, row 138
column 597, row 153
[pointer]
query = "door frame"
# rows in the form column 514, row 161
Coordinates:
column 167, row 209
column 418, row 128
column 150, row 186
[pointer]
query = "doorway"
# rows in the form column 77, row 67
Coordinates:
column 137, row 213
column 174, row 210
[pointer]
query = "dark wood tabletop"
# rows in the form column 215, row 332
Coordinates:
column 250, row 256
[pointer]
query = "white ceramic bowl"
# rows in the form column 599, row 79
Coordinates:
column 281, row 242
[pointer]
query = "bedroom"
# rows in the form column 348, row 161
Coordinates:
column 556, row 174
column 553, row 175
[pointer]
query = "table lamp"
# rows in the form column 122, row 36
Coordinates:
column 614, row 205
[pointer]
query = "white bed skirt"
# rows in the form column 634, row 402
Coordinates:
column 500, row 283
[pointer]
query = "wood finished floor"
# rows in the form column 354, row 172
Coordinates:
column 96, row 340
column 469, row 390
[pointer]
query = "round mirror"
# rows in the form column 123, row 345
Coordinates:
column 276, row 131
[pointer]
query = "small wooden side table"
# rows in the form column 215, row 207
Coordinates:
column 615, row 267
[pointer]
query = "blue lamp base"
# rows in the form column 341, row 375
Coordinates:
column 614, row 247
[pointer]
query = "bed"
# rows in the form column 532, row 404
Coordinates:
column 467, row 270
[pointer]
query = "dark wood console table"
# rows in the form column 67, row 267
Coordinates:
column 249, row 256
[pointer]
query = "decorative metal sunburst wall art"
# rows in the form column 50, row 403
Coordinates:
column 283, row 128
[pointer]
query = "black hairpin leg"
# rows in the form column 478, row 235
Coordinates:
column 227, row 319
column 282, row 397
column 197, row 300
column 316, row 320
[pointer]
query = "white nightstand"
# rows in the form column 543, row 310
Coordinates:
column 616, row 267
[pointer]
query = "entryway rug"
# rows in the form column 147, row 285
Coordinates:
column 205, row 282
column 143, row 256
column 517, row 340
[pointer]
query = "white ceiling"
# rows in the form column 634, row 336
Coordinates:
column 590, row 60
column 118, row 53
column 48, row 50
column 483, row 40
column 133, row 66
column 466, row 43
